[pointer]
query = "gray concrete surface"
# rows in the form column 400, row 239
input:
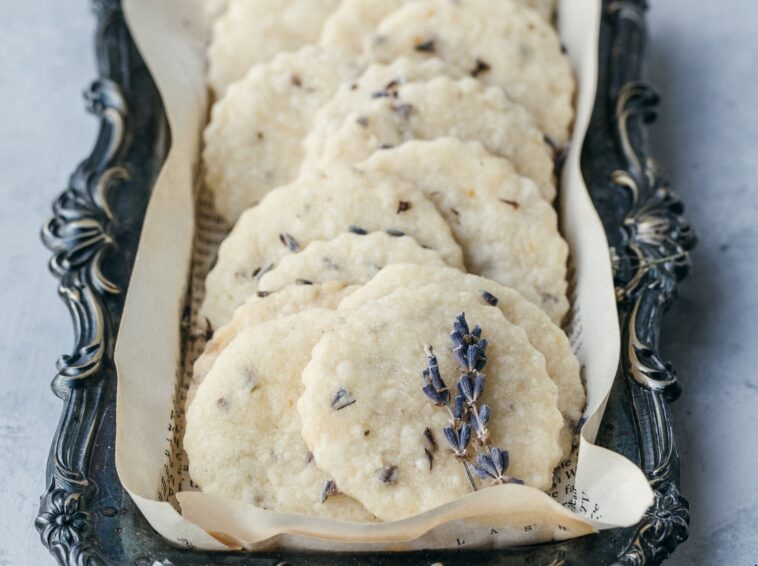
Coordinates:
column 702, row 56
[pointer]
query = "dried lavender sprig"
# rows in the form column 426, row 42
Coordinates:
column 494, row 464
column 469, row 351
column 458, row 434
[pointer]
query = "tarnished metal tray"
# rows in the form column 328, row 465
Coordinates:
column 86, row 517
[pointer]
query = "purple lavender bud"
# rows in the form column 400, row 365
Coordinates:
column 481, row 356
column 328, row 489
column 464, row 436
column 457, row 340
column 489, row 298
column 480, row 421
column 459, row 354
column 458, row 410
column 433, row 369
column 425, row 376
column 290, row 242
column 434, row 373
column 466, row 388
column 481, row 472
column 485, row 462
column 458, row 440
column 500, row 460
column 472, row 356
column 477, row 331
column 478, row 385
column 438, row 397
column 483, row 343
column 460, row 325
column 484, row 415
column 451, row 437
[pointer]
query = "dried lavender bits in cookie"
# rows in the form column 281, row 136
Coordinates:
column 349, row 258
column 319, row 206
column 244, row 441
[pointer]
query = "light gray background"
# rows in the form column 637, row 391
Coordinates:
column 703, row 57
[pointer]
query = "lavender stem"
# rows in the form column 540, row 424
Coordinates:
column 470, row 477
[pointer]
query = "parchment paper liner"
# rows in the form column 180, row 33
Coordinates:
column 601, row 490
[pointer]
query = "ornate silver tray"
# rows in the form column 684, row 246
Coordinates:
column 85, row 518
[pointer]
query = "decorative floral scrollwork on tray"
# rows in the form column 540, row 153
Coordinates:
column 657, row 240
column 665, row 526
column 653, row 258
column 61, row 529
column 80, row 237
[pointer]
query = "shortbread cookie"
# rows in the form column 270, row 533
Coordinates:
column 352, row 25
column 349, row 258
column 501, row 43
column 253, row 141
column 255, row 31
column 377, row 81
column 347, row 130
column 256, row 310
column 318, row 206
column 353, row 22
column 506, row 229
column 364, row 414
column 551, row 341
column 243, row 431
column 214, row 8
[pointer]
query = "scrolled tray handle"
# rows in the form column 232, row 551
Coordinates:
column 80, row 235
column 650, row 258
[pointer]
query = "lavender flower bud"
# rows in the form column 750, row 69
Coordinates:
column 485, row 468
column 482, row 355
column 472, row 357
column 484, row 415
column 499, row 459
column 458, row 409
column 480, row 472
column 489, row 298
column 460, row 356
column 494, row 466
column 433, row 369
column 478, row 385
column 440, row 398
column 460, row 325
column 458, row 440
column 328, row 489
column 451, row 436
column 457, row 340
column 466, row 388
column 464, row 434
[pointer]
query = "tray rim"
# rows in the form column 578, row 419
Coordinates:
column 93, row 236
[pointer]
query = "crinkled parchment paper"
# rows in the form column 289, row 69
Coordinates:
column 158, row 338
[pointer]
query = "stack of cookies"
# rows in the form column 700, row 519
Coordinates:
column 388, row 166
